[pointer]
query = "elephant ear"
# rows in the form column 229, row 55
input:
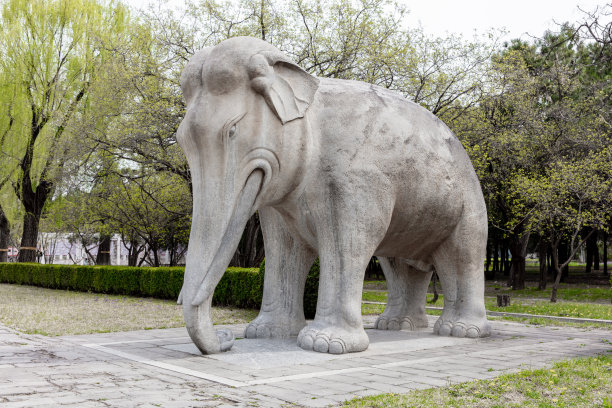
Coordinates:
column 191, row 77
column 287, row 89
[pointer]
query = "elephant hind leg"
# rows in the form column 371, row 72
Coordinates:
column 288, row 261
column 459, row 262
column 407, row 294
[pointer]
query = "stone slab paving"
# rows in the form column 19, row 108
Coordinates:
column 163, row 368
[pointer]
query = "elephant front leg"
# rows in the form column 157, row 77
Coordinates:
column 338, row 327
column 348, row 233
column 288, row 261
column 407, row 286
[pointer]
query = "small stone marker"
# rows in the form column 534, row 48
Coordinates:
column 503, row 300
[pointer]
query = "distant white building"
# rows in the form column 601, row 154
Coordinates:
column 58, row 248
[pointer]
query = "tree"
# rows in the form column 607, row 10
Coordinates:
column 544, row 110
column 5, row 230
column 500, row 135
column 154, row 210
column 50, row 53
column 570, row 196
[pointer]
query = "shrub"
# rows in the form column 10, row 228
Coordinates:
column 163, row 283
column 239, row 287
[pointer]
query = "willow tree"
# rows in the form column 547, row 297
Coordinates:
column 50, row 51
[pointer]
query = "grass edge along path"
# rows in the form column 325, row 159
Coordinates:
column 53, row 312
column 581, row 382
column 536, row 307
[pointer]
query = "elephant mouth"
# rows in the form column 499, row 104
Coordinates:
column 243, row 209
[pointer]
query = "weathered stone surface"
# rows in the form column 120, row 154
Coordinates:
column 397, row 361
column 338, row 169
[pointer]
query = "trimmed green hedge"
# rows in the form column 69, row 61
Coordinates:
column 239, row 287
column 162, row 283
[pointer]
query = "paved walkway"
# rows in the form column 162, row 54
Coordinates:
column 162, row 367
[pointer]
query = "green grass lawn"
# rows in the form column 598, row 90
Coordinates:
column 57, row 312
column 51, row 312
column 565, row 292
column 573, row 383
column 571, row 292
column 531, row 306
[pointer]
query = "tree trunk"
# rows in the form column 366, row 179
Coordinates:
column 503, row 259
column 595, row 252
column 133, row 247
column 489, row 274
column 549, row 265
column 518, row 249
column 434, row 279
column 155, row 250
column 562, row 253
column 555, row 262
column 104, row 257
column 591, row 247
column 495, row 257
column 250, row 251
column 507, row 260
column 33, row 200
column 542, row 252
column 28, row 251
column 570, row 251
column 5, row 230
column 605, row 253
column 132, row 257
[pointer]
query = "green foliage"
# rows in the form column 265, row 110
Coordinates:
column 162, row 283
column 239, row 286
column 52, row 52
column 311, row 289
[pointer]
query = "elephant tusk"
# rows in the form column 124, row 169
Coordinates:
column 231, row 238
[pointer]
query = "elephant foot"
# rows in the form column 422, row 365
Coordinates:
column 462, row 327
column 332, row 339
column 392, row 321
column 399, row 323
column 268, row 326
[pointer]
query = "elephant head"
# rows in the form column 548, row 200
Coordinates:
column 246, row 103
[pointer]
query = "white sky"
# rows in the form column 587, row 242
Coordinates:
column 520, row 18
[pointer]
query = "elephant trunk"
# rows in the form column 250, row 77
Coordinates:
column 196, row 295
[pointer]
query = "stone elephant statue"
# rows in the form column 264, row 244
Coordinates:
column 343, row 170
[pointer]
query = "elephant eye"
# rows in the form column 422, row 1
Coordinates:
column 230, row 128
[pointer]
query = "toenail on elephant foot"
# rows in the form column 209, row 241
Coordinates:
column 321, row 344
column 459, row 330
column 306, row 341
column 381, row 323
column 266, row 329
column 473, row 332
column 395, row 323
column 337, row 347
column 258, row 331
column 333, row 340
column 443, row 328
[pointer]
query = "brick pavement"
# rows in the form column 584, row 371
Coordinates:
column 162, row 368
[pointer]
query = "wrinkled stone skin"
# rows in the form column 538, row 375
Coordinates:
column 338, row 169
